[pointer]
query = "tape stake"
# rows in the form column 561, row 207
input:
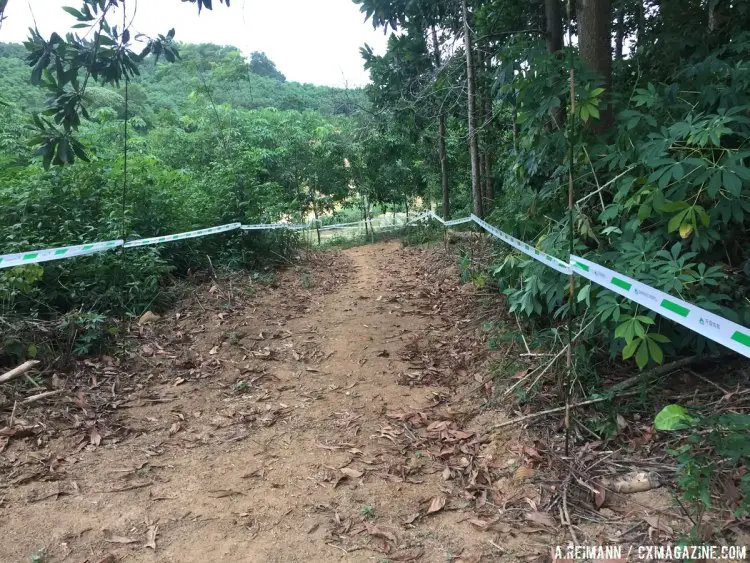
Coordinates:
column 723, row 331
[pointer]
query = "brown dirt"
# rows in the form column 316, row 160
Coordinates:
column 310, row 420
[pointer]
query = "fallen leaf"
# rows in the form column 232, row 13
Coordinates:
column 413, row 554
column 446, row 473
column 17, row 432
column 541, row 518
column 600, row 496
column 175, row 428
column 352, row 473
column 479, row 523
column 519, row 374
column 658, row 523
column 373, row 530
column 221, row 493
column 213, row 351
column 94, row 437
column 151, row 536
column 621, row 423
column 148, row 317
column 120, row 539
column 531, row 452
column 523, row 472
column 179, row 381
column 436, row 505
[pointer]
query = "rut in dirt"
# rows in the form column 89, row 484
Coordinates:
column 312, row 419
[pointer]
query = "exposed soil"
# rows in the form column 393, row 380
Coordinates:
column 312, row 419
column 340, row 410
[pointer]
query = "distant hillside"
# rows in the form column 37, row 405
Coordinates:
column 219, row 71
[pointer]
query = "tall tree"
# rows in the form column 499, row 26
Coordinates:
column 441, row 134
column 476, row 190
column 594, row 23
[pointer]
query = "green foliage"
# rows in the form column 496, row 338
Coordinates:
column 195, row 159
column 672, row 417
column 716, row 444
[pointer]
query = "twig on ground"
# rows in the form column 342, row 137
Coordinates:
column 567, row 521
column 40, row 396
column 549, row 364
column 520, row 331
column 656, row 372
column 12, row 419
column 18, row 371
column 558, row 409
column 699, row 376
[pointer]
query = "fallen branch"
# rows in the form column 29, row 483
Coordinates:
column 558, row 409
column 18, row 371
column 646, row 375
column 40, row 396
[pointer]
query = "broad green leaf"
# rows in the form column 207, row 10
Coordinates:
column 672, row 417
column 732, row 183
column 654, row 350
column 676, row 221
column 629, row 350
column 641, row 356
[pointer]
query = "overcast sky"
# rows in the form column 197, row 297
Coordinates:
column 314, row 41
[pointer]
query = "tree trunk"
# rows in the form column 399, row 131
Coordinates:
column 514, row 119
column 717, row 16
column 315, row 213
column 620, row 31
column 553, row 18
column 489, row 131
column 489, row 189
column 441, row 137
column 554, row 38
column 476, row 192
column 594, row 22
column 640, row 31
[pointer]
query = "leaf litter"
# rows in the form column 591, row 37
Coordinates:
column 424, row 465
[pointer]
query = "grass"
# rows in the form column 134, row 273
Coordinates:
column 367, row 511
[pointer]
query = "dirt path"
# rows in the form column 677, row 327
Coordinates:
column 302, row 422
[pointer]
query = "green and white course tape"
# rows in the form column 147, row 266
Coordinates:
column 60, row 253
column 182, row 236
column 271, row 226
column 536, row 254
column 712, row 326
column 727, row 333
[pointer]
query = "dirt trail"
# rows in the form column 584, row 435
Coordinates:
column 289, row 425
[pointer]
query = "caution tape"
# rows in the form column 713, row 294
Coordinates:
column 708, row 324
column 271, row 226
column 182, row 236
column 535, row 253
column 60, row 253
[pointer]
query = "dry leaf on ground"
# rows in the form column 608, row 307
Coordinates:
column 352, row 473
column 541, row 518
column 151, row 536
column 437, row 504
column 374, row 531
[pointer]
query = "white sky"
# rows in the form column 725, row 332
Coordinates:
column 315, row 41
